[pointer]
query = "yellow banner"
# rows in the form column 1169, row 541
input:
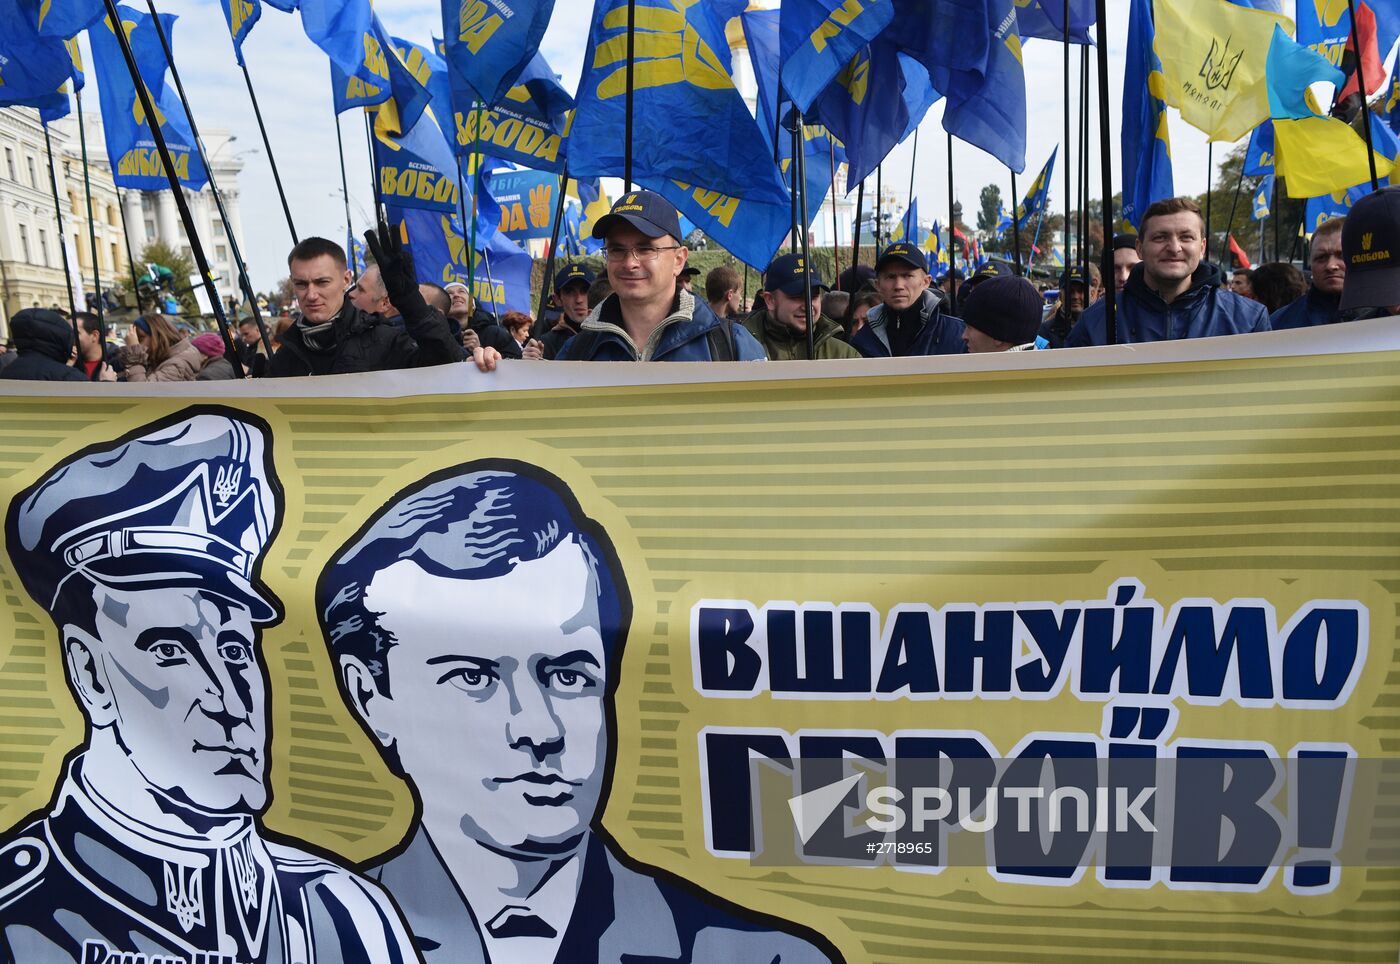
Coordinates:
column 694, row 662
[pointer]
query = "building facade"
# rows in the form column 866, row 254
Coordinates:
column 31, row 247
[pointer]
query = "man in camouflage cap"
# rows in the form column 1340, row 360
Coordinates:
column 146, row 555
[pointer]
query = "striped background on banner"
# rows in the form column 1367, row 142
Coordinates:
column 1260, row 473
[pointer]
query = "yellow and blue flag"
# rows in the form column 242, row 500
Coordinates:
column 817, row 38
column 596, row 204
column 1045, row 20
column 987, row 107
column 945, row 36
column 1038, row 194
column 240, row 15
column 1335, row 205
column 1314, row 154
column 527, row 127
column 1263, row 197
column 380, row 75
column 131, row 148
column 339, row 28
column 1213, row 57
column 33, row 68
column 488, row 45
column 1146, row 143
column 1259, row 155
column 62, row 18
column 860, row 108
column 908, row 229
column 499, row 269
column 694, row 140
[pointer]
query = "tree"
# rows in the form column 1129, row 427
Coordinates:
column 1285, row 215
column 987, row 217
column 180, row 266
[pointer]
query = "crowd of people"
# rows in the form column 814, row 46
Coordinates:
column 647, row 308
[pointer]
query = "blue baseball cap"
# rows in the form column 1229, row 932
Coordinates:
column 905, row 252
column 647, row 211
column 786, row 274
column 574, row 274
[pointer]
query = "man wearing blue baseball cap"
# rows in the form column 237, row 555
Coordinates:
column 781, row 325
column 909, row 319
column 571, row 286
column 649, row 316
column 146, row 553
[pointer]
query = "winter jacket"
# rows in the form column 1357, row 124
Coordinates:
column 1056, row 329
column 937, row 333
column 218, row 370
column 183, row 365
column 1314, row 308
column 492, row 334
column 685, row 335
column 43, row 342
column 556, row 337
column 366, row 343
column 1204, row 311
column 784, row 343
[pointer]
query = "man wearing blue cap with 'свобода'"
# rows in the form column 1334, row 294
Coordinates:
column 781, row 325
column 649, row 316
column 571, row 286
column 909, row 319
column 146, row 554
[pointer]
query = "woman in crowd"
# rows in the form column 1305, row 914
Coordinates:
column 156, row 352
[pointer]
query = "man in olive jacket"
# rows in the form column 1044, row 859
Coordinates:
column 781, row 326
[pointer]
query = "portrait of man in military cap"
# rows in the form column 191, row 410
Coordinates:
column 476, row 623
column 146, row 553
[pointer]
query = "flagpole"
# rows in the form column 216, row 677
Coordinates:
column 344, row 191
column 379, row 213
column 554, row 241
column 1015, row 223
column 913, row 159
column 879, row 199
column 1210, row 176
column 58, row 214
column 1082, row 224
column 87, row 193
column 267, row 146
column 799, row 154
column 491, row 286
column 952, row 237
column 1106, row 169
column 245, row 282
column 835, row 225
column 1069, row 166
column 475, row 166
column 1361, row 85
column 631, row 67
column 1276, row 216
column 855, row 227
column 1234, row 206
column 168, row 165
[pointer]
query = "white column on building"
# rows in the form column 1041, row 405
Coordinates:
column 167, row 220
column 135, row 221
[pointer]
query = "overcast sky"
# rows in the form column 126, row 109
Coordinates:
column 292, row 79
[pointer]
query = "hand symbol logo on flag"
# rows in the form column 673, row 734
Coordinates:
column 1329, row 12
column 673, row 50
column 540, row 196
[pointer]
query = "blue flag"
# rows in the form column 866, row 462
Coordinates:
column 987, row 108
column 1259, row 155
column 439, row 247
column 131, row 148
column 380, row 75
column 356, row 252
column 946, row 36
column 33, row 68
column 527, row 127
column 909, row 225
column 1146, row 144
column 817, row 158
column 240, row 16
column 489, row 44
column 286, row 6
column 1263, row 198
column 1336, row 205
column 1045, row 20
column 338, row 27
column 761, row 37
column 1391, row 107
column 817, row 38
column 1038, row 194
column 527, row 201
column 63, row 18
column 1003, row 220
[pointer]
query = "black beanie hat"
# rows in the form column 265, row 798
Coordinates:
column 1006, row 308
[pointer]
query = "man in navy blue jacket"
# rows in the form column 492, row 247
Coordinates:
column 1321, row 304
column 909, row 319
column 1172, row 293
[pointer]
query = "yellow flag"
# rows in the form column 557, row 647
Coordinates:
column 1213, row 55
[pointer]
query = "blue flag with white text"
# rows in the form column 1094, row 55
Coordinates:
column 817, row 38
column 489, row 44
column 1146, row 143
column 131, row 148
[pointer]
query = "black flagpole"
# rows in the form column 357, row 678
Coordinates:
column 879, row 203
column 1015, row 223
column 87, row 191
column 1082, row 222
column 58, row 214
column 345, row 194
column 1069, row 166
column 799, row 153
column 1210, row 177
column 553, row 242
column 245, row 282
column 1106, row 162
column 1234, row 205
column 379, row 213
column 913, row 159
column 1361, row 89
column 952, row 238
column 631, row 67
column 267, row 146
column 168, row 164
column 855, row 232
column 835, row 226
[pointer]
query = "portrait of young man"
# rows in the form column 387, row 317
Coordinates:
column 146, row 553
column 476, row 624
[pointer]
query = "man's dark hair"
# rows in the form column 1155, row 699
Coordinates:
column 1245, row 273
column 439, row 298
column 719, row 282
column 1277, row 284
column 89, row 322
column 598, row 292
column 473, row 521
column 249, row 322
column 1170, row 205
column 309, row 249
